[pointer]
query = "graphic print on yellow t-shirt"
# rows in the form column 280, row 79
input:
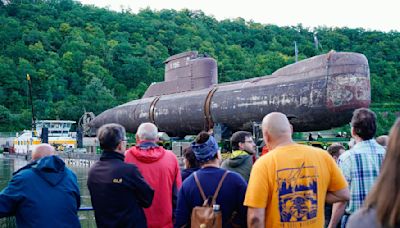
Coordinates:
column 298, row 193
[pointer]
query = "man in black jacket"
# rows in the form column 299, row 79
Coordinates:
column 118, row 191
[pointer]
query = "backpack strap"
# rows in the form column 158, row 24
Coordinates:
column 214, row 199
column 199, row 186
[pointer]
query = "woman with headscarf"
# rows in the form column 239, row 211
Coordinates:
column 231, row 194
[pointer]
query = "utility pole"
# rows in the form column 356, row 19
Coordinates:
column 316, row 43
column 296, row 52
column 30, row 98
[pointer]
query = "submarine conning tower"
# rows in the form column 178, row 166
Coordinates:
column 186, row 71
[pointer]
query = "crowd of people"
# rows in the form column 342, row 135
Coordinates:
column 292, row 185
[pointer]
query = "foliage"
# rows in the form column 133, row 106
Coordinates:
column 386, row 114
column 86, row 58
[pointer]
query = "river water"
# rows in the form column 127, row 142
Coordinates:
column 9, row 165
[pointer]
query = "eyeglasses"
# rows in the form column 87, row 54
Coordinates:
column 249, row 141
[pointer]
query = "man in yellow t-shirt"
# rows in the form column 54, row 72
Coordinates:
column 289, row 186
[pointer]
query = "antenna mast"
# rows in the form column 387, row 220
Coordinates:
column 30, row 98
column 316, row 42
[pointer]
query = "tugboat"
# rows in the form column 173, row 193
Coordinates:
column 58, row 135
column 54, row 132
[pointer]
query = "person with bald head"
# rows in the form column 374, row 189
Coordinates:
column 289, row 186
column 44, row 193
column 42, row 150
column 160, row 169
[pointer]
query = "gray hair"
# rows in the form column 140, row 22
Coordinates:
column 147, row 131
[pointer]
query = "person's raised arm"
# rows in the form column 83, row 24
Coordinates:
column 341, row 195
column 255, row 217
column 11, row 196
column 337, row 213
column 176, row 185
column 339, row 199
column 142, row 189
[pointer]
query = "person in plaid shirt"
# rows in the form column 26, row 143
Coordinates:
column 360, row 165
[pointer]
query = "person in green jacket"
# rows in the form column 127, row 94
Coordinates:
column 243, row 154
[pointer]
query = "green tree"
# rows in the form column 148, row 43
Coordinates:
column 97, row 97
column 92, row 67
column 4, row 116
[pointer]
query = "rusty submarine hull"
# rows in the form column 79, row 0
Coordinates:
column 318, row 93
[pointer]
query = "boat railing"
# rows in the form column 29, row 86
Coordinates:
column 7, row 134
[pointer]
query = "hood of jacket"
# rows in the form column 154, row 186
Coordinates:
column 237, row 161
column 50, row 168
column 148, row 152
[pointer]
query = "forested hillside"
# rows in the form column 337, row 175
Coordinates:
column 85, row 58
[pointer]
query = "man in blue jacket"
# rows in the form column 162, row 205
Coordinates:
column 118, row 191
column 43, row 193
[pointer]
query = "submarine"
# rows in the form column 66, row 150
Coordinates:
column 317, row 93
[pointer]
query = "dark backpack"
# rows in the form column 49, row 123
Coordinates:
column 205, row 216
